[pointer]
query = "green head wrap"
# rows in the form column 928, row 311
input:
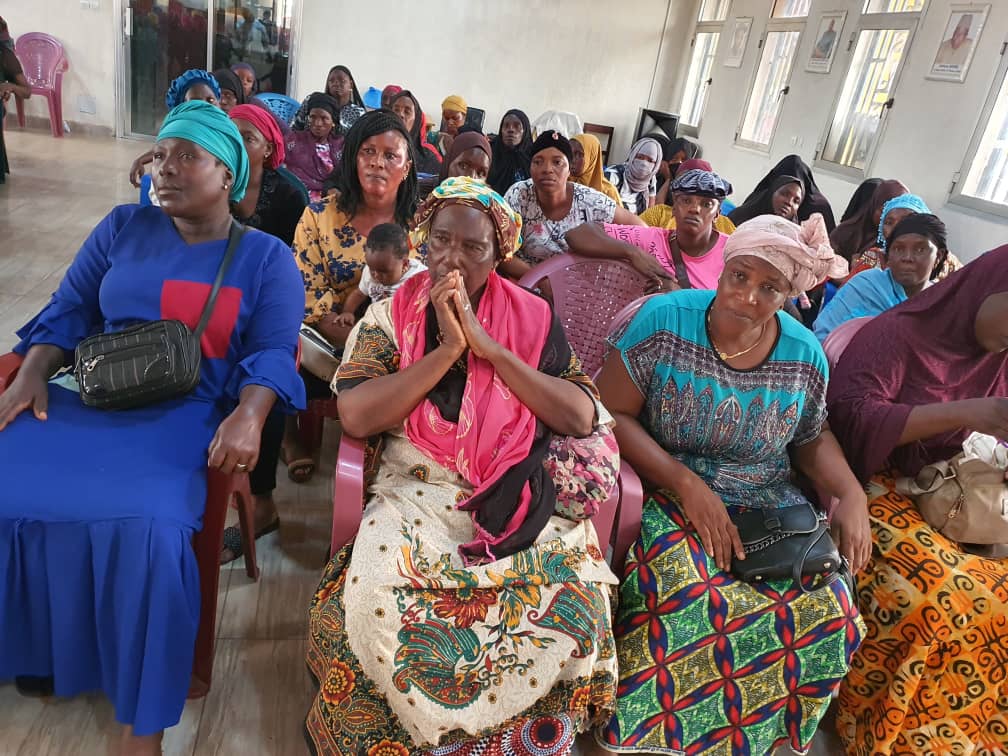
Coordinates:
column 209, row 127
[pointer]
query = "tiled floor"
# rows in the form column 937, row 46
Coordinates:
column 60, row 188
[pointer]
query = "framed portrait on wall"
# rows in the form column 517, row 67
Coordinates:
column 827, row 39
column 738, row 37
column 959, row 40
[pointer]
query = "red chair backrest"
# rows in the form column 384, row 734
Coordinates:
column 41, row 58
column 839, row 338
column 587, row 295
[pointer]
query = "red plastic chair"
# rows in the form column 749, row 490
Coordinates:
column 44, row 63
column 587, row 295
column 221, row 489
column 617, row 522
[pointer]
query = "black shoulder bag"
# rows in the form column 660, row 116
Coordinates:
column 148, row 362
column 791, row 542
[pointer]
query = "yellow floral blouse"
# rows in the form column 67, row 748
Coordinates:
column 330, row 254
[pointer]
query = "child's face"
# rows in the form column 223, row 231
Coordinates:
column 386, row 268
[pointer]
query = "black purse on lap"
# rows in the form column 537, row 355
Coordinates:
column 791, row 542
column 148, row 362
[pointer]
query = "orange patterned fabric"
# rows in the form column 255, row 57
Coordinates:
column 932, row 675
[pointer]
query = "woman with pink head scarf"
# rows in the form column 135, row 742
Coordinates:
column 716, row 395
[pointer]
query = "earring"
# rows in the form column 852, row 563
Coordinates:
column 226, row 187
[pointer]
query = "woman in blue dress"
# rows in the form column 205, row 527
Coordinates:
column 98, row 580
column 716, row 395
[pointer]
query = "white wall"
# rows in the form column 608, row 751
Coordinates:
column 89, row 37
column 926, row 136
column 595, row 58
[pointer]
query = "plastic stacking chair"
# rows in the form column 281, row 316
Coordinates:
column 587, row 295
column 44, row 64
column 283, row 107
column 221, row 489
column 617, row 523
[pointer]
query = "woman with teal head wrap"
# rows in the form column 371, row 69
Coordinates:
column 209, row 128
column 141, row 264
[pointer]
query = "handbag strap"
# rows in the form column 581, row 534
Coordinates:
column 681, row 274
column 941, row 472
column 234, row 236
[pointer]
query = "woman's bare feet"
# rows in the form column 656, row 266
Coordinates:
column 138, row 745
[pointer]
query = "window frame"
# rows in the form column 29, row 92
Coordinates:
column 690, row 129
column 773, row 7
column 700, row 27
column 773, row 25
column 909, row 22
column 956, row 195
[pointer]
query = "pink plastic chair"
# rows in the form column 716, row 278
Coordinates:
column 587, row 295
column 44, row 64
column 617, row 522
column 840, row 337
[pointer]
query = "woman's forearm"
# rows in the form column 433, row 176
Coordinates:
column 382, row 403
column 43, row 360
column 824, row 463
column 562, row 406
column 929, row 420
column 255, row 403
column 648, row 458
column 624, row 217
column 589, row 240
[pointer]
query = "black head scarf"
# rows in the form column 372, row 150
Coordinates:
column 814, row 201
column 507, row 163
column 228, row 79
column 761, row 203
column 326, row 102
column 861, row 197
column 426, row 160
column 355, row 98
column 930, row 227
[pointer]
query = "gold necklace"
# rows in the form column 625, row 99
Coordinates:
column 725, row 357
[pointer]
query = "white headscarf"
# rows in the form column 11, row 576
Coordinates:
column 637, row 172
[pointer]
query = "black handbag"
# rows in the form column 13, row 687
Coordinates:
column 148, row 362
column 789, row 542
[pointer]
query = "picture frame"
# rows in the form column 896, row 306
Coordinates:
column 959, row 40
column 738, row 40
column 827, row 39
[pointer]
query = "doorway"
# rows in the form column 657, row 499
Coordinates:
column 163, row 38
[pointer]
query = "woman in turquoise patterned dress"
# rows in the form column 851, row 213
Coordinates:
column 716, row 395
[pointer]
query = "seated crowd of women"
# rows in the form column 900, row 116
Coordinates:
column 475, row 611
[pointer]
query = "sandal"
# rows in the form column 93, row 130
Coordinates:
column 301, row 470
column 233, row 541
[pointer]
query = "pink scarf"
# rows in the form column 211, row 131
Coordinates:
column 495, row 430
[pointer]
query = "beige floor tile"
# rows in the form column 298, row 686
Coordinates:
column 258, row 705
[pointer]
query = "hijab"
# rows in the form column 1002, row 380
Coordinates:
column 209, row 127
column 324, row 102
column 862, row 195
column 813, row 202
column 508, row 162
column 859, row 232
column 418, row 133
column 923, row 351
column 466, row 140
column 761, row 203
column 591, row 175
column 638, row 172
column 228, row 80
column 355, row 98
